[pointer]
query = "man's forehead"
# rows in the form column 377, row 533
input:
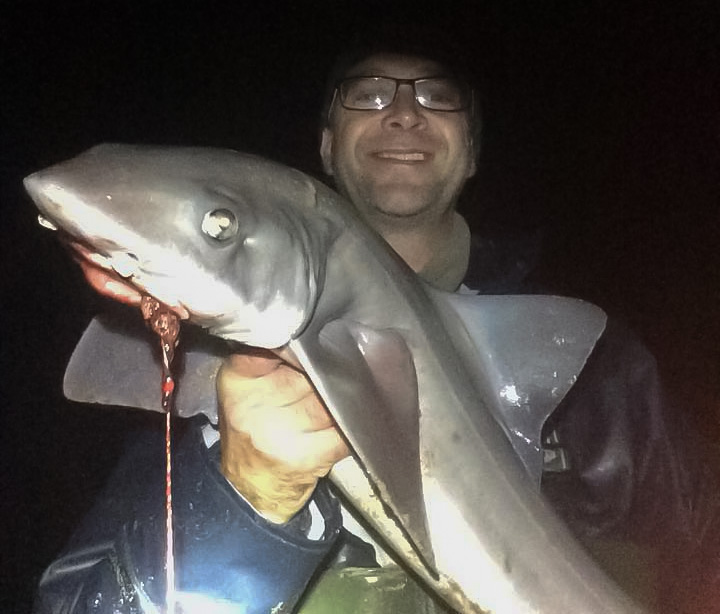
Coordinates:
column 396, row 65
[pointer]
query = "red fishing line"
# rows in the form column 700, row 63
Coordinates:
column 166, row 325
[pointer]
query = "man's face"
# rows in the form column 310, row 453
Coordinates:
column 403, row 161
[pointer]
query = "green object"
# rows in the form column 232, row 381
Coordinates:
column 632, row 567
column 363, row 590
column 389, row 590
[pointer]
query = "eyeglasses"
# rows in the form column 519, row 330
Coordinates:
column 377, row 93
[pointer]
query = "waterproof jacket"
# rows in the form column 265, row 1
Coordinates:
column 227, row 558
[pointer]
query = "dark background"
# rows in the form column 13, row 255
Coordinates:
column 602, row 127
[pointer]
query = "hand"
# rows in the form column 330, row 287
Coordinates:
column 276, row 436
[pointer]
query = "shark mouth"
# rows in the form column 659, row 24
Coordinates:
column 112, row 276
column 99, row 272
column 110, row 273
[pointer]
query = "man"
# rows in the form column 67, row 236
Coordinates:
column 400, row 141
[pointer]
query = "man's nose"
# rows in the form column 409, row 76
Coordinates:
column 405, row 112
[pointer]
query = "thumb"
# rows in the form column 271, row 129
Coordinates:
column 252, row 363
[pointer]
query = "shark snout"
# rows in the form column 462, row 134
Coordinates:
column 36, row 187
column 33, row 184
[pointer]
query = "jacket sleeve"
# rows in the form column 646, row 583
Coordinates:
column 227, row 558
column 638, row 472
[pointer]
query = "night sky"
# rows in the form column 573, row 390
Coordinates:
column 602, row 130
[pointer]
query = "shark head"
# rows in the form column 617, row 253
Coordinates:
column 233, row 242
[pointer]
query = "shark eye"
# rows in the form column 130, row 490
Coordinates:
column 220, row 224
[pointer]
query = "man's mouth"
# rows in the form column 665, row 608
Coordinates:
column 403, row 156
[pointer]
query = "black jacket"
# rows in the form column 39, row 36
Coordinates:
column 225, row 554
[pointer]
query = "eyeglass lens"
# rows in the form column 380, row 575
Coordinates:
column 436, row 93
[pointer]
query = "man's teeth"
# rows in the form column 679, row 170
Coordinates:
column 415, row 156
column 46, row 223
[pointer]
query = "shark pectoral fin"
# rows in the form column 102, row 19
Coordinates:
column 116, row 362
column 528, row 351
column 367, row 379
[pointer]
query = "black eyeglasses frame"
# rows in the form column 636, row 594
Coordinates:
column 465, row 90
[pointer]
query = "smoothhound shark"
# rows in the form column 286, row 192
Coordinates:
column 441, row 396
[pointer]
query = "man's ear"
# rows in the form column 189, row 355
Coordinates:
column 326, row 144
column 474, row 154
column 472, row 169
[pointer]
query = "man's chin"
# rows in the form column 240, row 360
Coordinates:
column 405, row 202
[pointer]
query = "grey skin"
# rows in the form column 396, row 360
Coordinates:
column 440, row 396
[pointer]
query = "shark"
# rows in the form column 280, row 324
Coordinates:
column 441, row 396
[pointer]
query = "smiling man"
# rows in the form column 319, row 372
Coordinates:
column 398, row 143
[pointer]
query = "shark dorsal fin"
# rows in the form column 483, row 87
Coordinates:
column 528, row 350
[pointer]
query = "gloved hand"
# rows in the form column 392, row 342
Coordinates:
column 276, row 436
